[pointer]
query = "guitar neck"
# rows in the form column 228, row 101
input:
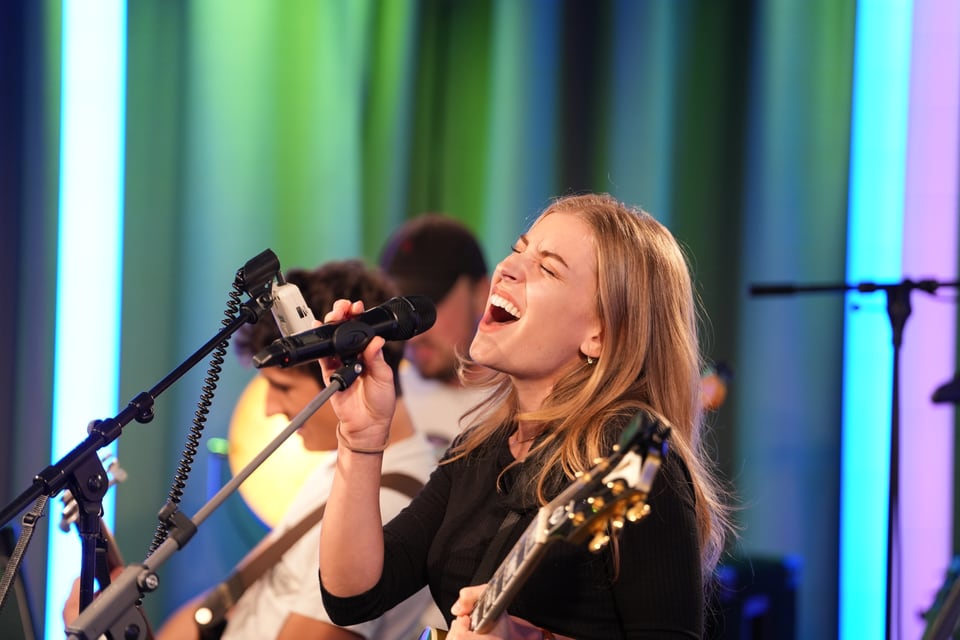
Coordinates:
column 512, row 572
column 507, row 579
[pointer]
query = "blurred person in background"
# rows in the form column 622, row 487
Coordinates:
column 439, row 257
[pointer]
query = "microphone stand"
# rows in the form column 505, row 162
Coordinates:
column 81, row 470
column 114, row 613
column 898, row 309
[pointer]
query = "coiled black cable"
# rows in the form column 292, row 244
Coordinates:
column 200, row 417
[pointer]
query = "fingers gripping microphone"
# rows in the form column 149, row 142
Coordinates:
column 396, row 319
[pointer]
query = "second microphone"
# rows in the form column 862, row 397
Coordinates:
column 398, row 318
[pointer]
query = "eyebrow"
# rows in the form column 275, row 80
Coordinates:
column 545, row 253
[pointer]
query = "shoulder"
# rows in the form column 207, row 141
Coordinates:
column 674, row 483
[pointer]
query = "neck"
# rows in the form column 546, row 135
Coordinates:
column 527, row 432
column 531, row 393
column 523, row 437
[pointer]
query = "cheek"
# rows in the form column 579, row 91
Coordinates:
column 565, row 328
column 298, row 399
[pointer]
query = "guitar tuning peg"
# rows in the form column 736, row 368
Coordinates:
column 638, row 511
column 617, row 522
column 597, row 502
column 599, row 541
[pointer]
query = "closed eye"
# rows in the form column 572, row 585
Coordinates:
column 521, row 245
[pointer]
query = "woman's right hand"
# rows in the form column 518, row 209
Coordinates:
column 366, row 407
column 507, row 627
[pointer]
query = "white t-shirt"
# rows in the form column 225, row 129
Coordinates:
column 293, row 586
column 436, row 408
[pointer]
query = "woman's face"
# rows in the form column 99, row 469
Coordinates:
column 541, row 312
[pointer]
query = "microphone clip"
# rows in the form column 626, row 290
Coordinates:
column 291, row 312
column 257, row 275
column 348, row 372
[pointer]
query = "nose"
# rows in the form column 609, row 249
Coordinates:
column 272, row 405
column 511, row 267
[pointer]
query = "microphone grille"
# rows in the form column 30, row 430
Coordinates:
column 414, row 314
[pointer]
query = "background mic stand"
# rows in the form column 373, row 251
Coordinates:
column 898, row 309
column 81, row 470
column 113, row 613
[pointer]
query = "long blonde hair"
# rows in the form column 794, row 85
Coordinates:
column 650, row 359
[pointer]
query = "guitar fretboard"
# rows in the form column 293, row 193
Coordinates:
column 512, row 572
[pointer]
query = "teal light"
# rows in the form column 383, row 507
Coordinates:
column 874, row 247
column 89, row 253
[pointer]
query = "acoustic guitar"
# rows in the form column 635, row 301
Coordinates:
column 613, row 492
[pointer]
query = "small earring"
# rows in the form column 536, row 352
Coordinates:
column 590, row 360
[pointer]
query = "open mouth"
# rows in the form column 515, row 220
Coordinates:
column 502, row 310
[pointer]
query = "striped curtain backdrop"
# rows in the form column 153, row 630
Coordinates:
column 791, row 141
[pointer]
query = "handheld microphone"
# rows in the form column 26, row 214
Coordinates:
column 398, row 318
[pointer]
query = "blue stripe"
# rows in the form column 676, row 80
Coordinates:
column 874, row 254
column 89, row 254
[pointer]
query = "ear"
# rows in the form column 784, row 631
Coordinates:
column 592, row 345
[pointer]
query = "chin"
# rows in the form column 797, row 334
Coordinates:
column 486, row 352
column 306, row 442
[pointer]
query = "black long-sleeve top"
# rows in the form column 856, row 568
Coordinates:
column 443, row 536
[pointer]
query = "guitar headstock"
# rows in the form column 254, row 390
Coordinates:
column 614, row 491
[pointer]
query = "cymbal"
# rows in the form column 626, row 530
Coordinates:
column 270, row 489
